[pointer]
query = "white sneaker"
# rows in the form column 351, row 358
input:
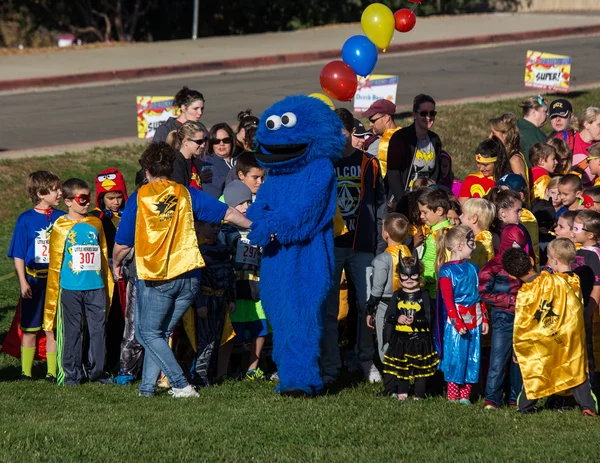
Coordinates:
column 187, row 391
column 372, row 374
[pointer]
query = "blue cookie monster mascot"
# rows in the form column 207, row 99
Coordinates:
column 298, row 139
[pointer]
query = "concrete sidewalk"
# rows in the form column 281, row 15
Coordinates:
column 73, row 66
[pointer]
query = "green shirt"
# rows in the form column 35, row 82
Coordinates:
column 530, row 135
column 429, row 254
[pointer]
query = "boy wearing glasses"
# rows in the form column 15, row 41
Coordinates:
column 414, row 151
column 79, row 281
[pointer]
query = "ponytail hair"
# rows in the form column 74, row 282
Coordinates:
column 447, row 240
column 187, row 130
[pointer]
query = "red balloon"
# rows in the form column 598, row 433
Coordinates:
column 405, row 20
column 338, row 81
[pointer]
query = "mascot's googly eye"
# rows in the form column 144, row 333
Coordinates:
column 101, row 178
column 273, row 123
column 111, row 176
column 288, row 119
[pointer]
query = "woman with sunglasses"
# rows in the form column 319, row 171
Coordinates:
column 535, row 114
column 190, row 139
column 414, row 151
column 221, row 142
column 191, row 107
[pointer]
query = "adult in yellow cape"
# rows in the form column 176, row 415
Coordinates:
column 158, row 222
column 549, row 335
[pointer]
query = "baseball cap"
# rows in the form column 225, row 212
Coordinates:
column 560, row 107
column 360, row 130
column 381, row 107
column 513, row 182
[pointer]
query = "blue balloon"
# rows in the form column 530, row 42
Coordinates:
column 360, row 54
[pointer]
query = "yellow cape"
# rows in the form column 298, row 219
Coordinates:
column 58, row 238
column 530, row 223
column 397, row 252
column 484, row 249
column 549, row 334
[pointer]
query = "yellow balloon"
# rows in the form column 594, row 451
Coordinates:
column 378, row 24
column 324, row 98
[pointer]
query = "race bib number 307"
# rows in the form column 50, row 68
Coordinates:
column 42, row 254
column 246, row 253
column 86, row 258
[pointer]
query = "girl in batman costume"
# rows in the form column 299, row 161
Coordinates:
column 411, row 355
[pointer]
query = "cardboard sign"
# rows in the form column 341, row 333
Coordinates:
column 547, row 71
column 153, row 111
column 375, row 87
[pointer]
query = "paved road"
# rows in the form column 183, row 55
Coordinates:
column 97, row 113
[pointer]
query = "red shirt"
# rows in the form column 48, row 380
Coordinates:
column 476, row 186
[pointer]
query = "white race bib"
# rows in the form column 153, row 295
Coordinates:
column 246, row 253
column 86, row 258
column 42, row 251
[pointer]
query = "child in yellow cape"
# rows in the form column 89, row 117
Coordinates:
column 549, row 335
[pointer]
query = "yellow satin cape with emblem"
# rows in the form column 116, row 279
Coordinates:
column 549, row 334
column 484, row 249
column 396, row 252
column 538, row 189
column 58, row 238
column 382, row 151
column 165, row 240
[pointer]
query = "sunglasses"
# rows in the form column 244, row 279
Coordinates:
column 81, row 199
column 218, row 141
column 372, row 121
column 431, row 114
column 200, row 141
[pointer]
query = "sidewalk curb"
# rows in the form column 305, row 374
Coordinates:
column 281, row 59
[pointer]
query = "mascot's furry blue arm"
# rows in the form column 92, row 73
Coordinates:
column 299, row 139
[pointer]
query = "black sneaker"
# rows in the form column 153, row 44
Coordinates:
column 24, row 377
column 50, row 379
column 104, row 379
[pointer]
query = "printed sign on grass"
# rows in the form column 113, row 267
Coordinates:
column 547, row 71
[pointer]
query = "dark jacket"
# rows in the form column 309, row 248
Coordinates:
column 219, row 169
column 164, row 129
column 530, row 135
column 401, row 152
column 372, row 207
column 182, row 169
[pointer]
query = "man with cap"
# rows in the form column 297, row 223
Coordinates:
column 561, row 116
column 381, row 119
column 359, row 135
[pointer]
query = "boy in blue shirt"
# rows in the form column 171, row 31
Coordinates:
column 79, row 270
column 29, row 248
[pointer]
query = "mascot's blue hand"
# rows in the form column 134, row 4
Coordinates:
column 259, row 234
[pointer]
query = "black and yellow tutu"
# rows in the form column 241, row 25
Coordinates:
column 410, row 356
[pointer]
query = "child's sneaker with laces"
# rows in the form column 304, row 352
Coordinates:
column 187, row 391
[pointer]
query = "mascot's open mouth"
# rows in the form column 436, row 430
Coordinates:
column 279, row 153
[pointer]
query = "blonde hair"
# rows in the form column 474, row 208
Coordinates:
column 507, row 126
column 447, row 240
column 483, row 209
column 553, row 184
column 588, row 115
column 187, row 130
column 563, row 250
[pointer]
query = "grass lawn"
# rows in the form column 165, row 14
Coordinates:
column 243, row 420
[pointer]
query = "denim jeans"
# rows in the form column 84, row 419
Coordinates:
column 355, row 264
column 160, row 305
column 501, row 353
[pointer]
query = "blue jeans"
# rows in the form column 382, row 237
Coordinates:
column 160, row 305
column 355, row 263
column 501, row 353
